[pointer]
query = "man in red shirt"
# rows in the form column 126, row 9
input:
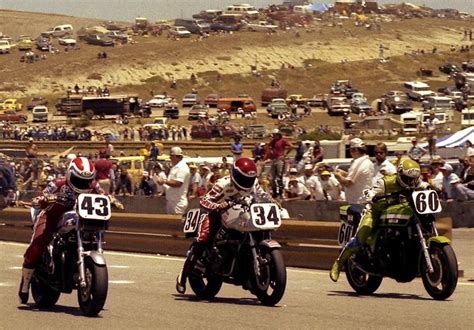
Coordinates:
column 278, row 148
column 104, row 172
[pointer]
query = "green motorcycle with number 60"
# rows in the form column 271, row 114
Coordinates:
column 405, row 244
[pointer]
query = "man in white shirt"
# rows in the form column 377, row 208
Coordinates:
column 331, row 187
column 297, row 190
column 416, row 152
column 448, row 177
column 431, row 125
column 359, row 177
column 177, row 183
column 312, row 182
column 382, row 166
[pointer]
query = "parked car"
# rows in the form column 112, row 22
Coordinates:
column 25, row 43
column 256, row 131
column 171, row 110
column 36, row 100
column 360, row 106
column 397, row 102
column 10, row 104
column 417, row 90
column 159, row 101
column 449, row 68
column 197, row 110
column 200, row 131
column 338, row 105
column 179, row 31
column 277, row 107
column 222, row 26
column 118, row 36
column 208, row 15
column 318, row 100
column 5, row 46
column 66, row 41
column 261, row 26
column 99, row 39
column 40, row 113
column 58, row 31
column 298, row 98
column 13, row 117
column 211, row 100
column 190, row 99
column 43, row 43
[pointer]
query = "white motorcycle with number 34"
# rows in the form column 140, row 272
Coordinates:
column 243, row 252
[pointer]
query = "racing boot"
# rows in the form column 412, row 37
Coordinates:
column 194, row 253
column 351, row 247
column 23, row 292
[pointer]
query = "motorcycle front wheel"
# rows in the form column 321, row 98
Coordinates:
column 205, row 287
column 360, row 281
column 43, row 295
column 441, row 283
column 270, row 285
column 92, row 297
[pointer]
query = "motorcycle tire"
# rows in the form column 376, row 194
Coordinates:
column 360, row 281
column 441, row 284
column 271, row 284
column 43, row 295
column 92, row 297
column 205, row 287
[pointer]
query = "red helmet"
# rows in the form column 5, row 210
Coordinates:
column 244, row 173
column 80, row 174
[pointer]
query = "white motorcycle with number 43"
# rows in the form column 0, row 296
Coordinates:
column 243, row 252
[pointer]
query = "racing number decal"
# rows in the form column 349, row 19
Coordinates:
column 266, row 216
column 193, row 219
column 94, row 206
column 426, row 202
column 345, row 233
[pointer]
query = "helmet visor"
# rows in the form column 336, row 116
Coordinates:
column 80, row 184
column 241, row 180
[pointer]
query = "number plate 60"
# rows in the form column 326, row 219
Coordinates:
column 426, row 202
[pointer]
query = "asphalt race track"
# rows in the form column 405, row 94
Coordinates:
column 142, row 295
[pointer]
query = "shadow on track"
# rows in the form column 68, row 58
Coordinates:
column 378, row 295
column 220, row 300
column 76, row 311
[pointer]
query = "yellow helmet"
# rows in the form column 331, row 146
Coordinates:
column 408, row 173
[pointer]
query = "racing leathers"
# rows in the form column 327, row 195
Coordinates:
column 212, row 204
column 371, row 213
column 56, row 199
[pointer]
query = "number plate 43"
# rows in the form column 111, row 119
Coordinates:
column 426, row 202
column 92, row 206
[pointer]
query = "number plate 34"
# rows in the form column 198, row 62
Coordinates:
column 426, row 202
column 265, row 216
column 92, row 206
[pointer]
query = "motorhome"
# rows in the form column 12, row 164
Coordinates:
column 245, row 10
column 438, row 103
column 467, row 117
column 413, row 121
column 418, row 90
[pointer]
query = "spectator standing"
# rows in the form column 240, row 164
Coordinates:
column 318, row 152
column 431, row 125
column 469, row 149
column 359, row 177
column 124, row 182
column 177, row 183
column 146, row 186
column 436, row 177
column 237, row 147
column 154, row 153
column 194, row 181
column 109, row 148
column 416, row 152
column 158, row 173
column 105, row 175
column 278, row 148
column 331, row 187
column 31, row 149
column 312, row 182
column 448, row 178
column 382, row 166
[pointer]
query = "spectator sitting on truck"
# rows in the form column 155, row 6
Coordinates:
column 416, row 152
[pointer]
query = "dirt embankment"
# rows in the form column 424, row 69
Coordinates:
column 151, row 62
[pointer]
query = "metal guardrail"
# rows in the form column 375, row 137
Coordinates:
column 307, row 244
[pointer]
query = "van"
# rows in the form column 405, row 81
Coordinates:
column 268, row 94
column 136, row 164
column 58, row 31
column 418, row 90
column 467, row 117
column 245, row 10
column 232, row 104
column 411, row 122
column 196, row 26
column 234, row 19
column 438, row 103
column 40, row 113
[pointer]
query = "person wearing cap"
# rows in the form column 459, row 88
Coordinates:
column 292, row 172
column 204, row 184
column 297, row 190
column 436, row 177
column 194, row 181
column 312, row 182
column 448, row 177
column 177, row 183
column 360, row 174
column 331, row 187
column 416, row 152
column 460, row 192
column 278, row 148
column 146, row 185
column 158, row 173
column 431, row 126
column 382, row 166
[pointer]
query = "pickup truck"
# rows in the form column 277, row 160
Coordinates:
column 5, row 46
column 10, row 104
column 12, row 117
column 261, row 26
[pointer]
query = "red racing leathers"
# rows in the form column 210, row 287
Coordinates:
column 55, row 199
column 211, row 203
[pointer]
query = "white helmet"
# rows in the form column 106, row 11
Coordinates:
column 80, row 174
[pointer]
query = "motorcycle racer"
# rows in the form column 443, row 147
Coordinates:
column 58, row 197
column 407, row 177
column 241, row 182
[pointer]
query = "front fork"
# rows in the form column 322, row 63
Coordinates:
column 256, row 261
column 423, row 245
column 81, row 254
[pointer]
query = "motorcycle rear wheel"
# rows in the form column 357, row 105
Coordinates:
column 43, row 295
column 441, row 284
column 361, row 282
column 92, row 297
column 205, row 287
column 271, row 284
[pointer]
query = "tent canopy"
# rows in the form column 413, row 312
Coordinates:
column 456, row 139
column 319, row 7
